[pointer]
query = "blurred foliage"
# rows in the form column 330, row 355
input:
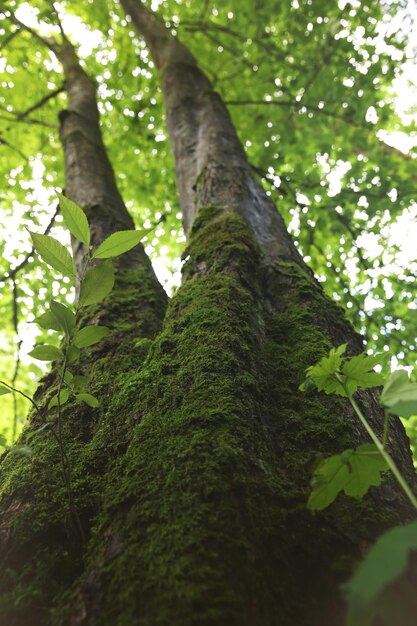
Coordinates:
column 311, row 89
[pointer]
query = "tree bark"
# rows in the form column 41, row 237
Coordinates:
column 192, row 480
column 35, row 522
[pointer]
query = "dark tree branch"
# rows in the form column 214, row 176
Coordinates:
column 41, row 102
column 4, row 142
column 15, row 319
column 9, row 38
column 17, row 120
column 49, row 42
column 12, row 273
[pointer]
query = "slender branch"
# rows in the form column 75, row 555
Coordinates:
column 298, row 106
column 265, row 41
column 58, row 19
column 42, row 101
column 9, row 38
column 31, row 400
column 15, row 318
column 34, row 121
column 4, row 142
column 12, row 273
column 50, row 42
column 65, row 465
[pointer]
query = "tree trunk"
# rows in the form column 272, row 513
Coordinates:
column 191, row 480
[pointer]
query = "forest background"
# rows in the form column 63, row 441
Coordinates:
column 318, row 92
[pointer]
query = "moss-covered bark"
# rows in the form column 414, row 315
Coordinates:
column 191, row 480
column 41, row 551
column 194, row 479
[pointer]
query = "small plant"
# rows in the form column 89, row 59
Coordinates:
column 354, row 471
column 95, row 281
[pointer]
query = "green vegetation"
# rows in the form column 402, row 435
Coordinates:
column 198, row 459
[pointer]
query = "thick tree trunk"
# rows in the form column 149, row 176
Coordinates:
column 40, row 544
column 192, row 480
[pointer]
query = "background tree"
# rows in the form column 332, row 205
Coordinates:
column 191, row 479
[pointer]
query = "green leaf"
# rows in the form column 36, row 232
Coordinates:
column 48, row 321
column 68, row 377
column 88, row 399
column 64, row 315
column 97, row 284
column 54, row 253
column 358, row 372
column 80, row 382
column 323, row 373
column 118, row 243
column 64, row 395
column 89, row 335
column 307, row 385
column 384, row 563
column 400, row 395
column 73, row 353
column 353, row 472
column 46, row 353
column 4, row 390
column 75, row 219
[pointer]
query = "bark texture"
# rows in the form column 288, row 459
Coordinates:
column 211, row 164
column 192, row 479
column 40, row 549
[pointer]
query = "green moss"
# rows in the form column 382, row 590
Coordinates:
column 207, row 507
column 194, row 475
column 32, row 492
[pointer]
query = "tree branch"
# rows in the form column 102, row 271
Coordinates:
column 12, row 273
column 9, row 38
column 49, row 42
column 17, row 120
column 41, row 102
column 4, row 142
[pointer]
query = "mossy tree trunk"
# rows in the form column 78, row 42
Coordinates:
column 191, row 480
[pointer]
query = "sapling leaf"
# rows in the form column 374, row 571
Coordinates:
column 64, row 315
column 46, row 353
column 68, row 377
column 307, row 385
column 48, row 321
column 324, row 372
column 353, row 472
column 79, row 382
column 118, row 243
column 54, row 253
column 3, row 440
column 4, row 390
column 75, row 219
column 89, row 335
column 88, row 399
column 385, row 562
column 64, row 395
column 97, row 284
column 400, row 395
column 358, row 372
column 73, row 353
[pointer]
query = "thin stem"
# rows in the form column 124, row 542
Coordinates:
column 389, row 461
column 66, row 471
column 25, row 396
column 386, row 428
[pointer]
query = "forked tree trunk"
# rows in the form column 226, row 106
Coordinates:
column 192, row 479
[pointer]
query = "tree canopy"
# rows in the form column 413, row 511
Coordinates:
column 311, row 90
